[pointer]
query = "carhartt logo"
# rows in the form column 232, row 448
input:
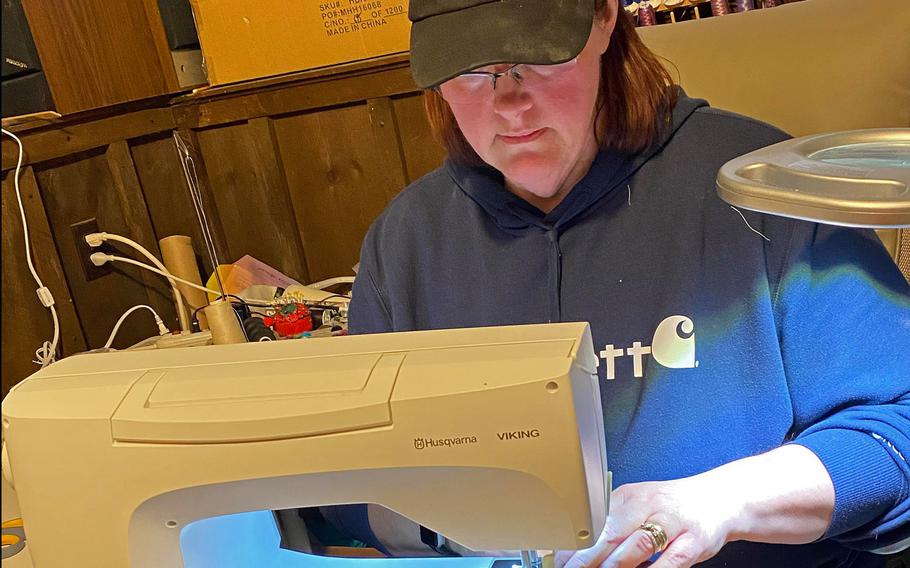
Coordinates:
column 518, row 434
column 673, row 346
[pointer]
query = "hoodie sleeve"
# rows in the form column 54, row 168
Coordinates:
column 369, row 311
column 843, row 318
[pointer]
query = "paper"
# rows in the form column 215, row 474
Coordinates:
column 249, row 271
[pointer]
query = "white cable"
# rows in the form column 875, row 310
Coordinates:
column 99, row 258
column 47, row 353
column 95, row 239
column 322, row 284
column 751, row 228
column 162, row 329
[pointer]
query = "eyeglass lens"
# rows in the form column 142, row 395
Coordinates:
column 475, row 86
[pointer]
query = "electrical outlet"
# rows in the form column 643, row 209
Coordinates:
column 84, row 251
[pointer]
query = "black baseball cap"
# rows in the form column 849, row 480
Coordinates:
column 450, row 37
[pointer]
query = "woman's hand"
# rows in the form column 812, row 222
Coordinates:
column 783, row 496
column 695, row 522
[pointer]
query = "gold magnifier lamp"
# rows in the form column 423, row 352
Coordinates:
column 856, row 178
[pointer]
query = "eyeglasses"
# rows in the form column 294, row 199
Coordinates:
column 471, row 87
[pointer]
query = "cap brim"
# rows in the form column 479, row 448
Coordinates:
column 511, row 31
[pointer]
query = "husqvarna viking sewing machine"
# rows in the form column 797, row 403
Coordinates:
column 492, row 437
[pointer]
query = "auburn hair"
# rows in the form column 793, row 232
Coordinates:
column 636, row 97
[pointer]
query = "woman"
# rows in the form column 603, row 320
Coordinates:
column 755, row 370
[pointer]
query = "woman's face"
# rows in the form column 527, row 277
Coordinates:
column 542, row 138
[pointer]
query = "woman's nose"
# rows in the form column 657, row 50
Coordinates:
column 510, row 99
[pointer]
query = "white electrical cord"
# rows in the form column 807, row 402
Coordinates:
column 162, row 329
column 47, row 353
column 99, row 258
column 323, row 284
column 95, row 240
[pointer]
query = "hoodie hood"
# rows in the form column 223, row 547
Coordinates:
column 486, row 185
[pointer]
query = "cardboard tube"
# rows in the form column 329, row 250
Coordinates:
column 180, row 260
column 224, row 323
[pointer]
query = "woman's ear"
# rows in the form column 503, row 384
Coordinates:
column 604, row 22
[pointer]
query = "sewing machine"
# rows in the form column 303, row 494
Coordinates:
column 492, row 437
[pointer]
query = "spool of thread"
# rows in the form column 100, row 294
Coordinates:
column 646, row 14
column 180, row 259
column 743, row 5
column 224, row 323
column 720, row 7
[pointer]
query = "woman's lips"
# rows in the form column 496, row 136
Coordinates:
column 522, row 138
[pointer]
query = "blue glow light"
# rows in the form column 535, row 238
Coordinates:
column 251, row 539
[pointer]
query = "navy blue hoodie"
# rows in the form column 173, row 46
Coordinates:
column 723, row 333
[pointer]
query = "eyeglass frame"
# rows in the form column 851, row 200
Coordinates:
column 494, row 76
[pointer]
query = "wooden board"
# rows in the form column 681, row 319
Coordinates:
column 330, row 73
column 80, row 188
column 166, row 193
column 125, row 185
column 26, row 323
column 343, row 166
column 422, row 153
column 244, row 176
column 65, row 138
column 319, row 92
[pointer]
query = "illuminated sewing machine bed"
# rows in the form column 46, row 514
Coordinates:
column 252, row 539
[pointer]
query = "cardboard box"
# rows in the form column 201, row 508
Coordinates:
column 244, row 40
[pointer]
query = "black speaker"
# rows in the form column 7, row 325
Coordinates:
column 177, row 17
column 25, row 94
column 19, row 54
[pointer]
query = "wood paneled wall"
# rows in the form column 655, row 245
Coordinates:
column 293, row 171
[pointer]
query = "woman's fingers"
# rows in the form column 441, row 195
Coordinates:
column 586, row 558
column 650, row 518
column 683, row 552
column 594, row 556
column 637, row 549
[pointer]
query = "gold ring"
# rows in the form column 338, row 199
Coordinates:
column 657, row 535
